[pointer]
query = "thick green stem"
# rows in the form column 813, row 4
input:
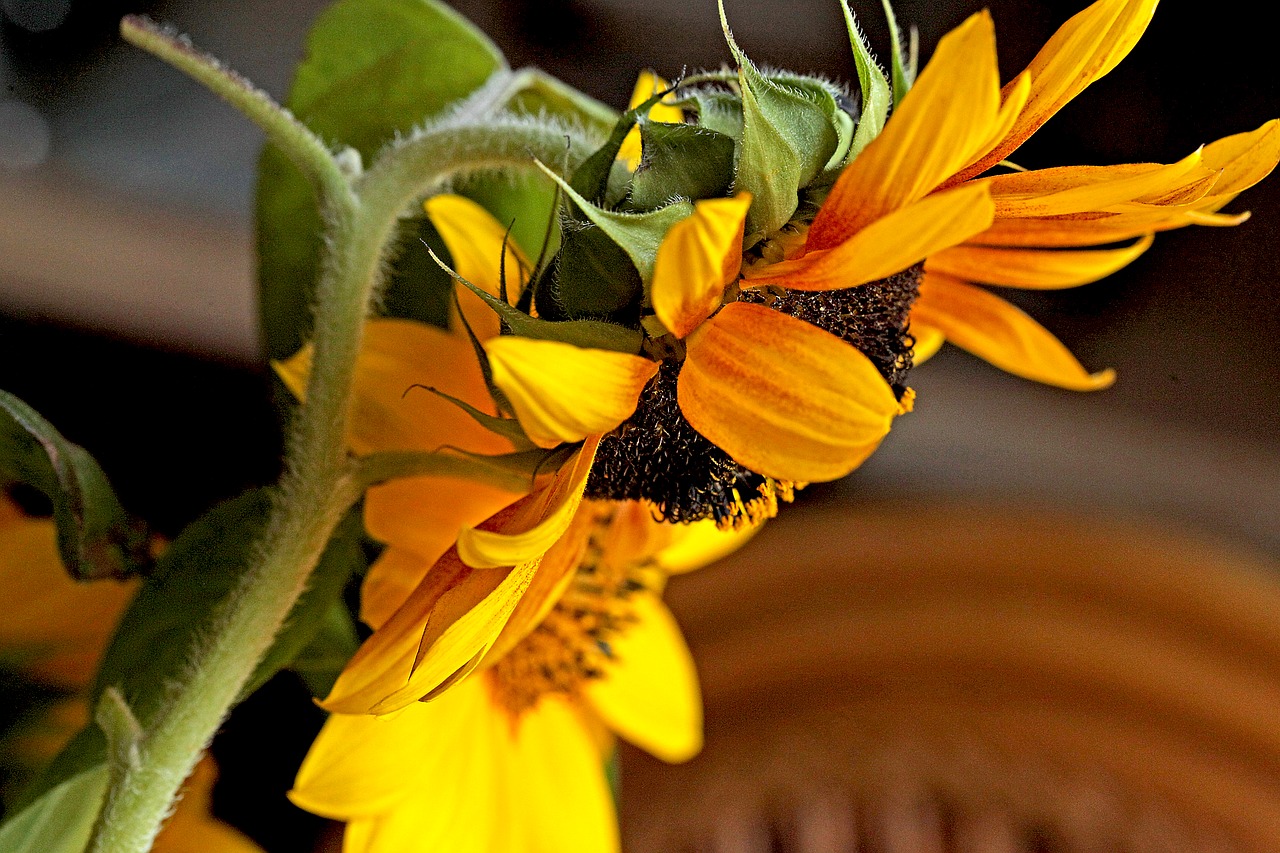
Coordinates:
column 318, row 485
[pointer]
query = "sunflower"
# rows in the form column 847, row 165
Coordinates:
column 512, row 758
column 55, row 631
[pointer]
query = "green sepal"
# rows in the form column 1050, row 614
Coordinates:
column 638, row 234
column 171, row 614
column 96, row 537
column 514, row 472
column 825, row 95
column 62, row 819
column 718, row 110
column 527, row 202
column 593, row 276
column 373, row 69
column 681, row 161
column 416, row 288
column 508, row 428
column 904, row 60
column 591, row 179
column 538, row 93
column 787, row 139
column 590, row 334
column 872, row 83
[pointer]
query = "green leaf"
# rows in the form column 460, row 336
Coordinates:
column 538, row 93
column 787, row 139
column 61, row 820
column 96, row 537
column 681, row 161
column 637, row 234
column 324, row 657
column 373, row 69
column 874, row 86
column 904, row 61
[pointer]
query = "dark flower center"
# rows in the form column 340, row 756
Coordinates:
column 658, row 457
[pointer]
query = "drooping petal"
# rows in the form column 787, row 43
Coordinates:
column 698, row 258
column 888, row 245
column 1091, row 231
column 928, row 341
column 1040, row 269
column 948, row 115
column 440, row 633
column 997, row 332
column 541, row 520
column 648, row 84
column 650, row 694
column 1084, row 189
column 1244, row 159
column 1083, row 50
column 477, row 242
column 388, row 412
column 389, row 582
column 562, row 393
column 782, row 397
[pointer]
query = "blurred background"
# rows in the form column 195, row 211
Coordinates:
column 127, row 304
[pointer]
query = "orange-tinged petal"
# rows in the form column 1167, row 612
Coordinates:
column 782, row 397
column 1083, row 50
column 889, row 245
column 476, row 243
column 388, row 412
column 389, row 582
column 994, row 330
column 1081, row 189
column 562, row 393
column 440, row 633
column 1095, row 230
column 698, row 258
column 648, row 84
column 1040, row 269
column 53, row 625
column 542, row 518
column 947, row 116
column 650, row 694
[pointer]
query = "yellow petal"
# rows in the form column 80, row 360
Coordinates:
column 994, row 330
column 648, row 84
column 700, row 544
column 562, row 393
column 387, row 411
column 650, row 695
column 698, row 258
column 928, row 341
column 888, row 245
column 947, row 116
column 477, row 242
column 559, row 800
column 1083, row 50
column 1244, row 159
column 782, row 397
column 438, row 635
column 1081, row 189
column 193, row 828
column 55, row 626
column 1040, row 269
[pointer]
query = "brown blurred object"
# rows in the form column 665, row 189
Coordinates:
column 950, row 677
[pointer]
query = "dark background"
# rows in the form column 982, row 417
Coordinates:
column 126, row 302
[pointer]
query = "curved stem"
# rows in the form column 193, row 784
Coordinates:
column 319, row 483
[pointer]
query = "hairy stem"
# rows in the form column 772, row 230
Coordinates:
column 318, row 486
